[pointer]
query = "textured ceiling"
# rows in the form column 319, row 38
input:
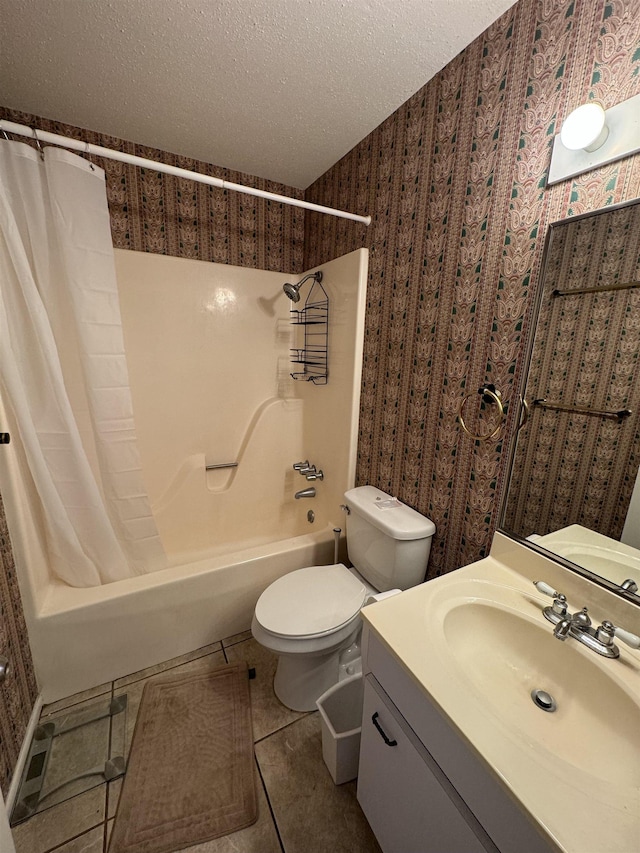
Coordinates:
column 281, row 89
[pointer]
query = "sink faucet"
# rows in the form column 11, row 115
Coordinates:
column 578, row 625
column 580, row 621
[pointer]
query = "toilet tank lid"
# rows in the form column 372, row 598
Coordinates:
column 388, row 514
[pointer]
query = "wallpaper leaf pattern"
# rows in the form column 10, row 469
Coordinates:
column 457, row 191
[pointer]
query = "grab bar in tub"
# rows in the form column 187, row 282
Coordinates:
column 220, row 465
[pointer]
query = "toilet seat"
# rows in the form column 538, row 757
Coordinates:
column 311, row 602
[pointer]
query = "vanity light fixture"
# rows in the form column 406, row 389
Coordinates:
column 592, row 136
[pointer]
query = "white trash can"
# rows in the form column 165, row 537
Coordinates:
column 341, row 716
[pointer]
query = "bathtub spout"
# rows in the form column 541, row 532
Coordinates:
column 306, row 493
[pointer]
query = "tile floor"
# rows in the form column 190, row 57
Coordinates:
column 300, row 809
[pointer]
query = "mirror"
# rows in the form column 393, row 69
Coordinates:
column 572, row 488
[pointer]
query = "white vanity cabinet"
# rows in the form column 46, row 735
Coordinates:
column 408, row 802
column 421, row 787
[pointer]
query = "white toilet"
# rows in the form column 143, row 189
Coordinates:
column 308, row 617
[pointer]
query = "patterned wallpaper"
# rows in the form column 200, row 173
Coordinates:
column 572, row 468
column 18, row 693
column 152, row 212
column 455, row 182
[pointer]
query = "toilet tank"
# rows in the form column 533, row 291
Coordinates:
column 387, row 541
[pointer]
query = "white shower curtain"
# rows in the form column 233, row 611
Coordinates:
column 61, row 343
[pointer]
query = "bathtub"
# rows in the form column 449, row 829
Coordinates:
column 228, row 532
column 83, row 637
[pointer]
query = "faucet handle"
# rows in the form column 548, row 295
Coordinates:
column 559, row 606
column 297, row 466
column 545, row 589
column 609, row 630
column 557, row 611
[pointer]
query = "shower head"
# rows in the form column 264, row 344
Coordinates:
column 293, row 290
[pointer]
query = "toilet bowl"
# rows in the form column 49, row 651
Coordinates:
column 307, row 618
column 310, row 616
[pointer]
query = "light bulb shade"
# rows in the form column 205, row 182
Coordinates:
column 618, row 137
column 585, row 128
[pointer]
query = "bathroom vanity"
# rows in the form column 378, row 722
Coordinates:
column 457, row 756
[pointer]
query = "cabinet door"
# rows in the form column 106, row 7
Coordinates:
column 408, row 802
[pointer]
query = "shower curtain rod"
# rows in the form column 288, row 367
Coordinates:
column 142, row 162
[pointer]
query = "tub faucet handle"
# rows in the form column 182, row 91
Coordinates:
column 315, row 475
column 298, row 466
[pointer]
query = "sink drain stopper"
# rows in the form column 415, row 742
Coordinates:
column 544, row 700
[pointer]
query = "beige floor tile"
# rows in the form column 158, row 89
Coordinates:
column 77, row 698
column 269, row 714
column 236, row 638
column 90, row 842
column 313, row 815
column 134, row 690
column 61, row 823
column 168, row 664
column 260, row 837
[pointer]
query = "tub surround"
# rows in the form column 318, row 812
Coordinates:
column 208, row 354
column 523, row 778
column 227, row 533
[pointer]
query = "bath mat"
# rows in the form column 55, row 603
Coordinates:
column 191, row 773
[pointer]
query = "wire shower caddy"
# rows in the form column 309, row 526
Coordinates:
column 314, row 317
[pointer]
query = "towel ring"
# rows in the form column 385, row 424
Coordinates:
column 492, row 392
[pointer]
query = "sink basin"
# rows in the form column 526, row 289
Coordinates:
column 477, row 644
column 505, row 655
column 604, row 556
